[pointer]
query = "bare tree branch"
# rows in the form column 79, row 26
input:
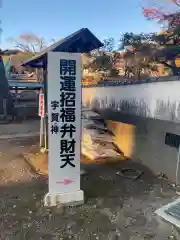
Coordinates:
column 28, row 42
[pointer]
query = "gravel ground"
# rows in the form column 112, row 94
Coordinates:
column 115, row 207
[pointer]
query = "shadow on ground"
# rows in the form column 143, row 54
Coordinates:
column 105, row 180
column 115, row 208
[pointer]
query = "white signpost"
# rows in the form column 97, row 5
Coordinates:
column 64, row 124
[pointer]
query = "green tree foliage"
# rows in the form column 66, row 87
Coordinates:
column 105, row 58
column 152, row 48
column 109, row 44
column 139, row 54
column 168, row 42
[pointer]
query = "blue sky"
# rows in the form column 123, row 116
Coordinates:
column 57, row 19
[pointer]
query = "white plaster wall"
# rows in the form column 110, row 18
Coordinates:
column 159, row 100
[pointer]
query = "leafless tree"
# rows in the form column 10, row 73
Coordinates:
column 28, row 42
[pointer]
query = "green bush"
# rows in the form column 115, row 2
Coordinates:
column 114, row 72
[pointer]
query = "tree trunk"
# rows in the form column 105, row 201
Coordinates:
column 173, row 67
column 139, row 74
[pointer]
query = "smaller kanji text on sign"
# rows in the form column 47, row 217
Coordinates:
column 41, row 105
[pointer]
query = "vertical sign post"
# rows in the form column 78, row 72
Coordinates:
column 41, row 104
column 64, row 123
column 41, row 114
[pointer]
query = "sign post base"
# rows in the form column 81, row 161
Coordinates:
column 68, row 199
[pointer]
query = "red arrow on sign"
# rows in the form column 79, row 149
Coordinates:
column 65, row 182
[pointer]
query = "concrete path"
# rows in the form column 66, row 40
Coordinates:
column 22, row 129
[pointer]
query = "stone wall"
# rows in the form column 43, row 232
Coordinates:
column 143, row 140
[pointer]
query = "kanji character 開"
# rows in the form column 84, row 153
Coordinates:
column 67, row 67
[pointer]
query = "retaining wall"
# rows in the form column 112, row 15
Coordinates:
column 143, row 140
column 159, row 100
column 140, row 116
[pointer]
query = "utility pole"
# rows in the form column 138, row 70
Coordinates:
column 0, row 21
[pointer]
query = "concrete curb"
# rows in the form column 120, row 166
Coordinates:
column 19, row 135
column 34, row 169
